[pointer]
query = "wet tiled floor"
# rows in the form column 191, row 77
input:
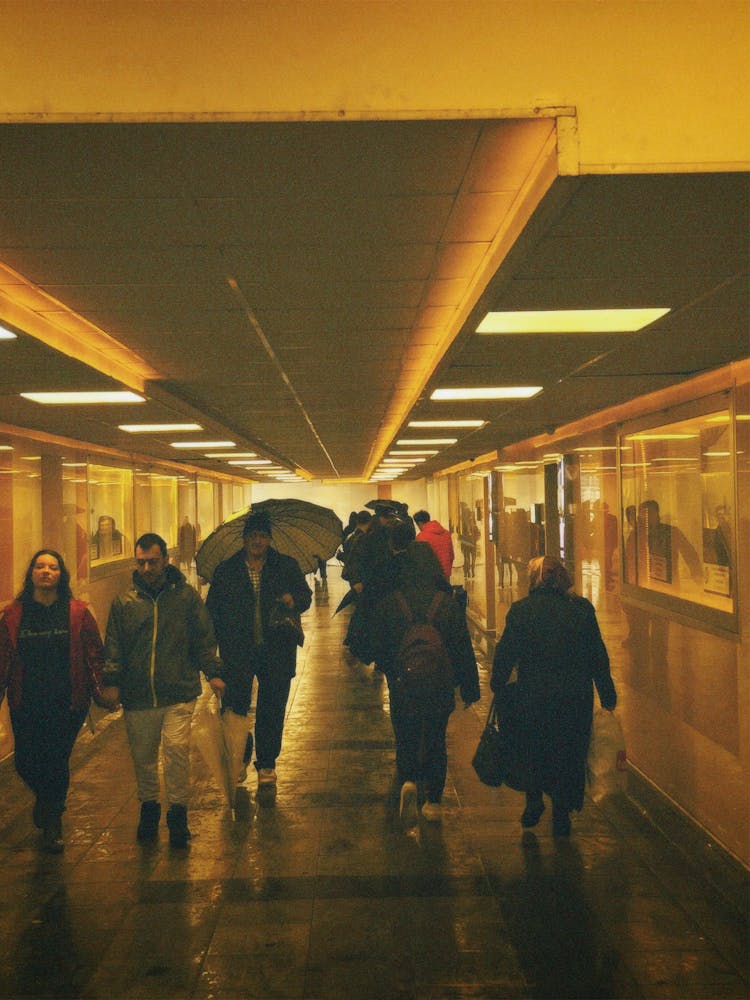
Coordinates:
column 323, row 895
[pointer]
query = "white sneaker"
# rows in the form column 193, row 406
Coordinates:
column 432, row 812
column 408, row 807
column 266, row 777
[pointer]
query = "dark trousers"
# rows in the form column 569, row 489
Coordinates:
column 42, row 757
column 270, row 707
column 421, row 751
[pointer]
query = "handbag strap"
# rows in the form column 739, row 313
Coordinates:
column 492, row 714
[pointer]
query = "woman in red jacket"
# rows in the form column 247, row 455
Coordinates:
column 51, row 662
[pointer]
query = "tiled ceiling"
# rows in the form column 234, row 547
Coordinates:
column 303, row 288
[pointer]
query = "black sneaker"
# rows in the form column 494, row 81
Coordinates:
column 179, row 834
column 148, row 828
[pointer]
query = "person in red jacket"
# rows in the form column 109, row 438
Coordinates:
column 436, row 535
column 51, row 661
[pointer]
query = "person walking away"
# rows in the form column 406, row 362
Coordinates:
column 51, row 661
column 158, row 640
column 553, row 638
column 436, row 535
column 422, row 687
column 245, row 590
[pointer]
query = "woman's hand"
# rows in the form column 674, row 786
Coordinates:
column 218, row 686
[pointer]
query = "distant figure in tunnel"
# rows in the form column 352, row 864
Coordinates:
column 51, row 661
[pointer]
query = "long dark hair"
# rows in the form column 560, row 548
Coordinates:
column 63, row 587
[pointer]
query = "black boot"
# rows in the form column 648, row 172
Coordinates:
column 178, row 828
column 533, row 811
column 52, row 840
column 148, row 828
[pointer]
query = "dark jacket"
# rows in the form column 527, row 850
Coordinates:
column 86, row 656
column 156, row 645
column 231, row 604
column 554, row 640
column 390, row 627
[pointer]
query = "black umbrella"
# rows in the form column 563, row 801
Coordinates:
column 299, row 529
column 394, row 507
column 349, row 598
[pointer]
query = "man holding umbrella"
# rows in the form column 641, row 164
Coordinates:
column 248, row 590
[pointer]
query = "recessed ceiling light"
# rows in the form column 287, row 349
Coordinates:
column 6, row 334
column 200, row 445
column 488, row 392
column 157, row 428
column 75, row 398
column 446, row 423
column 234, row 454
column 570, row 321
column 248, row 462
column 408, row 441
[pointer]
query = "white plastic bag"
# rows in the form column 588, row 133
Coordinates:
column 220, row 738
column 607, row 763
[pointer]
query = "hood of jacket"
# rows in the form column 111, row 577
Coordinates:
column 434, row 528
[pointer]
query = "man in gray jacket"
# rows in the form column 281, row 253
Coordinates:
column 159, row 637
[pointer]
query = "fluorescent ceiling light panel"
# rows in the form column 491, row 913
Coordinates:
column 660, row 437
column 446, row 423
column 570, row 321
column 249, row 462
column 76, row 398
column 6, row 334
column 200, row 445
column 414, row 451
column 487, row 392
column 234, row 454
column 407, row 441
column 158, row 428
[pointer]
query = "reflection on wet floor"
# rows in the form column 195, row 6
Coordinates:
column 320, row 894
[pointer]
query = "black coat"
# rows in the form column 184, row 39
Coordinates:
column 231, row 604
column 555, row 642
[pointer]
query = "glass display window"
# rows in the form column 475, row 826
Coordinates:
column 678, row 508
column 110, row 494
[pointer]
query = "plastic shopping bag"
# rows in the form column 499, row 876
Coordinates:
column 220, row 738
column 607, row 763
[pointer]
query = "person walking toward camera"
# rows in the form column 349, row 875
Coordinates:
column 247, row 592
column 51, row 662
column 553, row 637
column 159, row 638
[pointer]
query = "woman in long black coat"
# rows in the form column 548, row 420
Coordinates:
column 553, row 637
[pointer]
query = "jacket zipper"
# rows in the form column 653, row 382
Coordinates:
column 153, row 652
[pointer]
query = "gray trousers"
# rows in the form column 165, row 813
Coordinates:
column 169, row 727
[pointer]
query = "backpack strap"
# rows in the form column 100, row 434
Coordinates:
column 406, row 610
column 437, row 600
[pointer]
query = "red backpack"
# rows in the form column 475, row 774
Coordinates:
column 424, row 669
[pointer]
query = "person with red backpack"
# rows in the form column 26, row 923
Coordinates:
column 422, row 645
